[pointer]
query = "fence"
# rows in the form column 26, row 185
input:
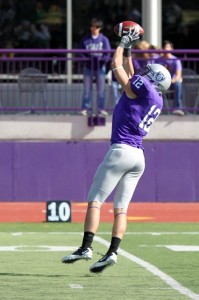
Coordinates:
column 51, row 81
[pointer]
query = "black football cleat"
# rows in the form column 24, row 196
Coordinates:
column 80, row 253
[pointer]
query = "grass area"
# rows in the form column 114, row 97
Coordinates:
column 35, row 271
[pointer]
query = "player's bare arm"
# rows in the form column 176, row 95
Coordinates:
column 128, row 65
column 120, row 73
column 117, row 67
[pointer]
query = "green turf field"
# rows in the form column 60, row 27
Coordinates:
column 152, row 264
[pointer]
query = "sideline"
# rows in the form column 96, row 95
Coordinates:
column 12, row 212
column 154, row 270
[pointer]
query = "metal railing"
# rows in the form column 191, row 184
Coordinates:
column 51, row 81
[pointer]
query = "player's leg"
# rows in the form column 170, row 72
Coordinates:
column 110, row 258
column 109, row 173
column 106, row 178
column 90, row 227
column 125, row 190
column 92, row 219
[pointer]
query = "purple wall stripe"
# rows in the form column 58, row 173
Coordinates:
column 43, row 171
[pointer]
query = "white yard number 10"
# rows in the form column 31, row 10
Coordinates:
column 58, row 211
column 150, row 117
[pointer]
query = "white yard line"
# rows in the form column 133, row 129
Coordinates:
column 182, row 248
column 154, row 270
column 75, row 286
column 106, row 232
column 37, row 248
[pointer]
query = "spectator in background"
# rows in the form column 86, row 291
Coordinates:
column 141, row 59
column 31, row 35
column 55, row 19
column 173, row 23
column 24, row 35
column 7, row 22
column 174, row 65
column 41, row 36
column 40, row 12
column 153, row 55
column 95, row 67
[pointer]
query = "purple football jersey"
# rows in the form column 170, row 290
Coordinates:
column 172, row 64
column 132, row 118
column 96, row 44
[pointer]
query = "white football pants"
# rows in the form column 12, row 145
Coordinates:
column 121, row 168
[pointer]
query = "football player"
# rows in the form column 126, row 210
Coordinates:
column 139, row 106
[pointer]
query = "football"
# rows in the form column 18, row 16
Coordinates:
column 125, row 26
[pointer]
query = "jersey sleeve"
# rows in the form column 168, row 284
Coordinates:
column 138, row 85
column 178, row 65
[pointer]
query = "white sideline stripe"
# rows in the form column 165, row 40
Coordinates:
column 149, row 267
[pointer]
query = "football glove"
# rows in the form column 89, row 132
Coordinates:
column 128, row 40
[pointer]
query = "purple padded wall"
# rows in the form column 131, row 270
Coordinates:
column 41, row 171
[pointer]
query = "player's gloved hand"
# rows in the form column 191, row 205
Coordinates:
column 128, row 40
column 135, row 33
